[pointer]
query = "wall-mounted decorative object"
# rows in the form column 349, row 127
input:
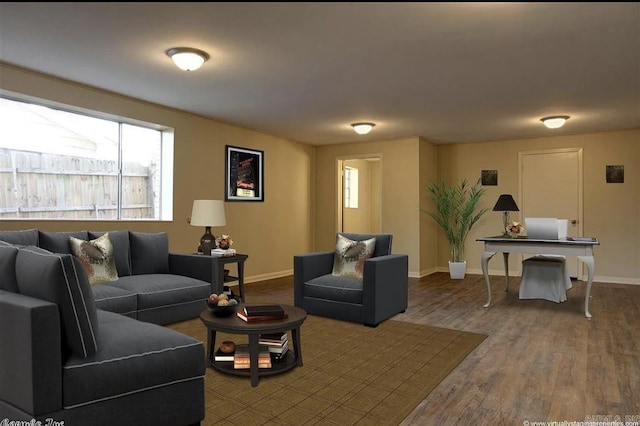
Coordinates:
column 489, row 177
column 615, row 174
column 244, row 174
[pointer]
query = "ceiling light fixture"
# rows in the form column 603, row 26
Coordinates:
column 363, row 128
column 187, row 58
column 555, row 122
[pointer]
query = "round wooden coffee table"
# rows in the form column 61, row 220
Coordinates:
column 234, row 325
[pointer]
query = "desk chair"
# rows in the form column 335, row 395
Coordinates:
column 545, row 277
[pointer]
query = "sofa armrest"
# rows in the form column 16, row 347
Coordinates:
column 198, row 266
column 307, row 267
column 192, row 265
column 385, row 287
column 30, row 353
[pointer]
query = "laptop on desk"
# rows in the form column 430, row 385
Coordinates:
column 546, row 228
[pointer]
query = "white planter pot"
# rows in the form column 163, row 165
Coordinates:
column 457, row 270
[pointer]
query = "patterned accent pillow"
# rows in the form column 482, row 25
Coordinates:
column 348, row 260
column 96, row 257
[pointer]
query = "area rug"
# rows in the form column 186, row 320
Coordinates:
column 352, row 375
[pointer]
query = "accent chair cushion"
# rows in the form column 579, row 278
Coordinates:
column 149, row 253
column 349, row 257
column 97, row 258
column 61, row 279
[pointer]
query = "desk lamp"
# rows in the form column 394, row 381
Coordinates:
column 505, row 204
column 207, row 213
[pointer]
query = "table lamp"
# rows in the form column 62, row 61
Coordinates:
column 505, row 204
column 207, row 213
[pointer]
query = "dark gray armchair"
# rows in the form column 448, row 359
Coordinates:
column 381, row 294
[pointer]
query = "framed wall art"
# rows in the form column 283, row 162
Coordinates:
column 244, row 174
column 489, row 177
column 615, row 174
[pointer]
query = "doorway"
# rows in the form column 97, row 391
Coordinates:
column 551, row 186
column 359, row 194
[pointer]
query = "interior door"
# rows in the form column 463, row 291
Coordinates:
column 551, row 186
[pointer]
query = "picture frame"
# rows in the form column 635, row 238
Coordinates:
column 489, row 177
column 244, row 174
column 615, row 174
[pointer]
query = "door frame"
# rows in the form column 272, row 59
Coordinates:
column 339, row 173
column 580, row 269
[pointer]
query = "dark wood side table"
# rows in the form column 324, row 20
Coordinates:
column 218, row 272
column 234, row 325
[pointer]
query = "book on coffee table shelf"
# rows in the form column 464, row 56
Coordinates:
column 223, row 356
column 242, row 360
column 275, row 339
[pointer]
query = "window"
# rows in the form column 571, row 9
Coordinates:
column 56, row 164
column 350, row 188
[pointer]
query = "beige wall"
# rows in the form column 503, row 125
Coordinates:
column 270, row 232
column 611, row 211
column 300, row 209
column 428, row 229
column 399, row 196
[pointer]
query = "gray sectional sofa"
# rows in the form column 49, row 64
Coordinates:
column 85, row 354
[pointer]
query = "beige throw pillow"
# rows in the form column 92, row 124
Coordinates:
column 97, row 258
column 348, row 260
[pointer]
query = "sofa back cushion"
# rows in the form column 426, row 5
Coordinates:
column 8, row 255
column 27, row 237
column 61, row 279
column 121, row 249
column 58, row 242
column 149, row 253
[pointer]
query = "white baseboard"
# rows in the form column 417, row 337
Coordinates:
column 269, row 276
column 475, row 271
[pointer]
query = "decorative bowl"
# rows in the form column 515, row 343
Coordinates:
column 222, row 311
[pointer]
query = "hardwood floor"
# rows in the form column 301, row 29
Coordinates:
column 542, row 361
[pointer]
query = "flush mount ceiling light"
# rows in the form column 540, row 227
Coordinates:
column 555, row 122
column 187, row 58
column 362, row 128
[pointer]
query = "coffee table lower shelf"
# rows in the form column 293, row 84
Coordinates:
column 287, row 363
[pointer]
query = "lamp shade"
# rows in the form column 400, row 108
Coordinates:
column 208, row 213
column 506, row 203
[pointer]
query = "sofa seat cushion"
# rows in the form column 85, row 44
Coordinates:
column 115, row 299
column 331, row 287
column 155, row 290
column 134, row 356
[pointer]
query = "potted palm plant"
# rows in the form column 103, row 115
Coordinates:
column 456, row 211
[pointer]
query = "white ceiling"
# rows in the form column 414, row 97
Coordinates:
column 450, row 72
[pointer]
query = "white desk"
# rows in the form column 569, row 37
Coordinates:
column 582, row 248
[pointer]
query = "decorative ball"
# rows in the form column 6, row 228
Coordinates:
column 227, row 347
